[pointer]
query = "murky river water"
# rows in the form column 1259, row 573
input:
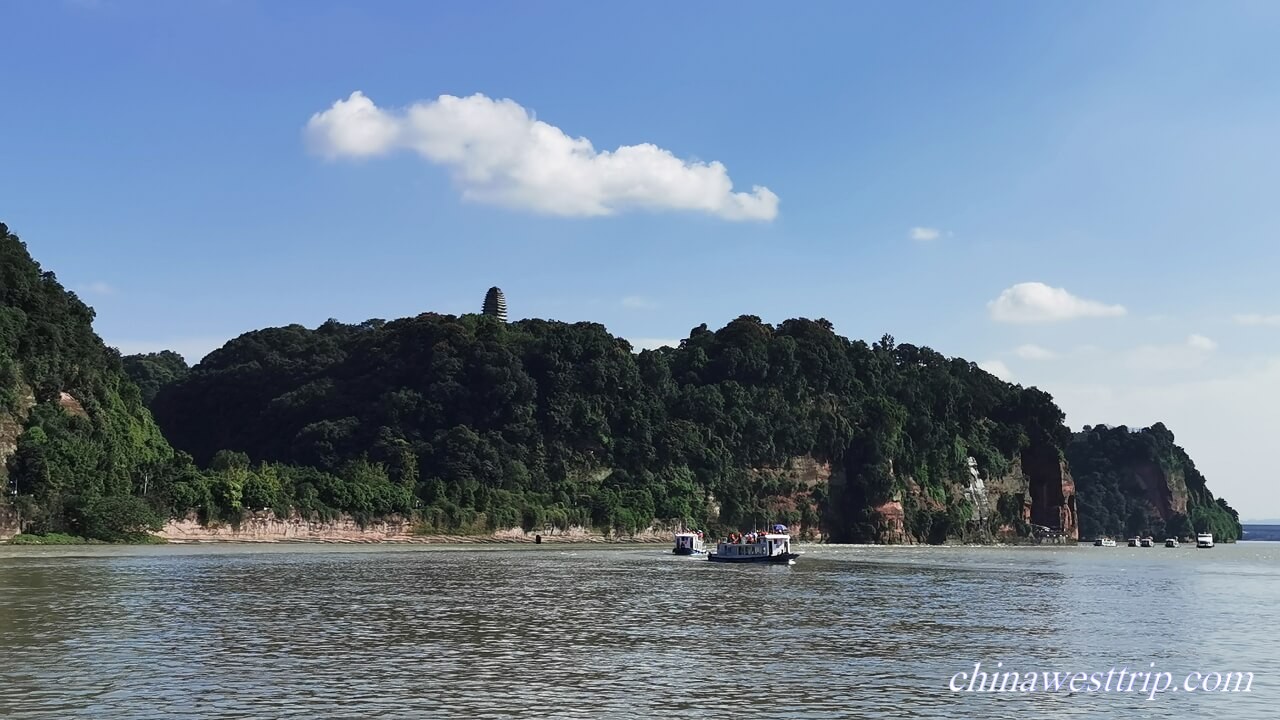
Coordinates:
column 234, row 631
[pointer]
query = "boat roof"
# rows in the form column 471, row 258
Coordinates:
column 685, row 533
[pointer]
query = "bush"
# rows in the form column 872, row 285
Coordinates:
column 115, row 518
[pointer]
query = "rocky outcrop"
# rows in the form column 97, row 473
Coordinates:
column 71, row 404
column 267, row 528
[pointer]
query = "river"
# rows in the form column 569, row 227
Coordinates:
column 322, row 631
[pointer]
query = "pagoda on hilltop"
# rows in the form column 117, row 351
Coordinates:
column 495, row 304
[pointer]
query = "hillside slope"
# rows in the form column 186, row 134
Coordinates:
column 75, row 437
column 1140, row 482
column 741, row 426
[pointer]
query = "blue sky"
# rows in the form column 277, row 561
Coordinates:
column 193, row 171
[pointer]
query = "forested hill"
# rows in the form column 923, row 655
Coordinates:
column 474, row 424
column 535, row 420
column 1143, row 483
column 77, row 444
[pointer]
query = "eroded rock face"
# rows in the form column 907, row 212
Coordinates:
column 1167, row 492
column 267, row 528
column 71, row 405
column 808, row 473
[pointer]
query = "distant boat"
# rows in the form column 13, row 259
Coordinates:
column 1104, row 542
column 1135, row 541
column 774, row 547
column 689, row 543
column 1171, row 542
column 1147, row 542
column 1204, row 540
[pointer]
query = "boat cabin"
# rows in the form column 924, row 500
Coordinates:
column 768, row 545
column 689, row 543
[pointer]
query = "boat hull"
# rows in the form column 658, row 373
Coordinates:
column 779, row 559
column 688, row 551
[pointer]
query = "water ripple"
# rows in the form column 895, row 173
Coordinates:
column 303, row 632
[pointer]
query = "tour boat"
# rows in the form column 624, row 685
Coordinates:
column 1134, row 541
column 1204, row 540
column 1171, row 542
column 1147, row 542
column 774, row 547
column 689, row 543
column 1104, row 542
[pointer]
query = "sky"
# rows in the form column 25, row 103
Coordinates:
column 1079, row 196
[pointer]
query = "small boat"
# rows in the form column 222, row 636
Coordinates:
column 1104, row 542
column 1204, row 540
column 1135, row 541
column 1147, row 542
column 1171, row 542
column 689, row 543
column 774, row 547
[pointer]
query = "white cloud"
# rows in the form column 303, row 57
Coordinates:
column 652, row 343
column 194, row 349
column 1034, row 352
column 997, row 368
column 925, row 234
column 638, row 302
column 1035, row 302
column 499, row 153
column 98, row 288
column 1257, row 319
column 1188, row 355
column 1200, row 342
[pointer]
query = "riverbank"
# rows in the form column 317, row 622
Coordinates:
column 267, row 528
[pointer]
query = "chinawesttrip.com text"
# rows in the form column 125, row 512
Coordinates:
column 1147, row 681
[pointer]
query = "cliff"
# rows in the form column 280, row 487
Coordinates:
column 1140, row 482
column 268, row 528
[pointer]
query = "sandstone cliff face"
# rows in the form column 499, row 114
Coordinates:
column 806, row 473
column 1166, row 491
column 1038, row 490
column 267, row 528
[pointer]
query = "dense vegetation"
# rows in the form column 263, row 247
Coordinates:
column 85, row 442
column 471, row 423
column 152, row 371
column 477, row 422
column 1122, row 478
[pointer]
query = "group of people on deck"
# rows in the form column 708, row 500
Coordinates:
column 754, row 535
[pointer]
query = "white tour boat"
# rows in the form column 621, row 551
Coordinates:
column 1104, row 542
column 689, row 543
column 1134, row 541
column 774, row 547
column 1204, row 540
column 1148, row 542
column 1171, row 542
